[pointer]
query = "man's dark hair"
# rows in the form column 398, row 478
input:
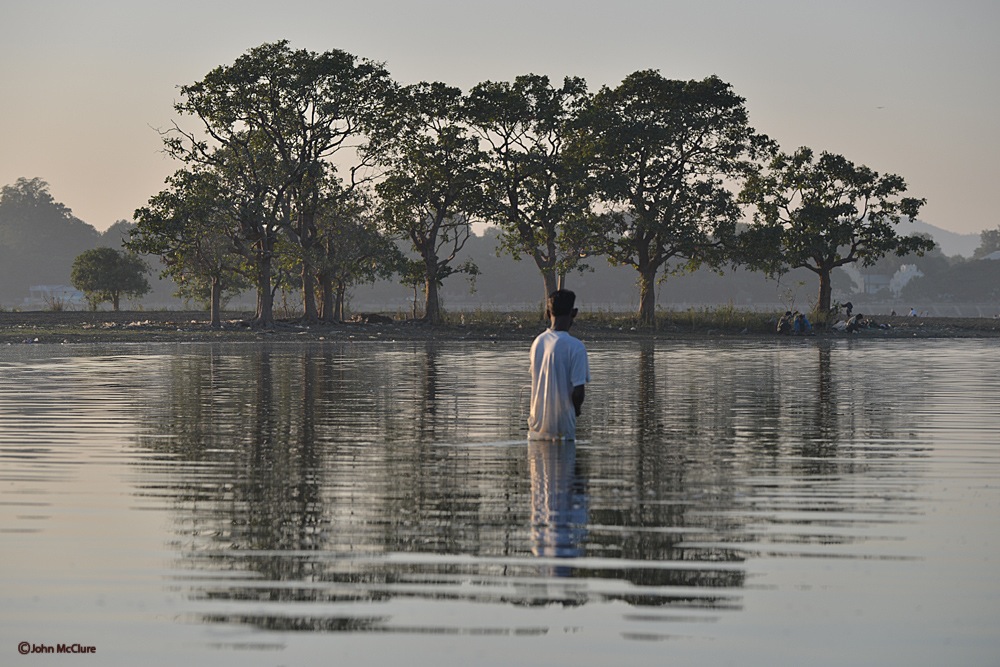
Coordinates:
column 561, row 302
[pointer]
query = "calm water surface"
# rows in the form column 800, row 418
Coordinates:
column 778, row 503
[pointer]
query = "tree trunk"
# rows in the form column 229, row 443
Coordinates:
column 326, row 310
column 216, row 303
column 338, row 309
column 825, row 294
column 432, row 303
column 647, row 296
column 309, row 293
column 306, row 232
column 114, row 301
column 549, row 281
column 265, row 299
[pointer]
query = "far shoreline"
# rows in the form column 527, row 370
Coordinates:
column 61, row 327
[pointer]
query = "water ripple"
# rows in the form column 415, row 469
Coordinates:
column 388, row 489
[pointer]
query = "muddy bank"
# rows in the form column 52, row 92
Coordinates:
column 183, row 326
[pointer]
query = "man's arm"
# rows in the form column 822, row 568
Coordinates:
column 579, row 392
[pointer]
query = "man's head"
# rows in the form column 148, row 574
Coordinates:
column 561, row 308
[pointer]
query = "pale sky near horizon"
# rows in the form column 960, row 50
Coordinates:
column 903, row 86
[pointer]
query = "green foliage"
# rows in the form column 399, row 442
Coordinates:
column 188, row 226
column 641, row 172
column 352, row 250
column 106, row 274
column 722, row 318
column 971, row 281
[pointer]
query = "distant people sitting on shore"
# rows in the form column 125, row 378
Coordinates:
column 801, row 325
column 913, row 312
column 785, row 323
column 851, row 325
column 837, row 307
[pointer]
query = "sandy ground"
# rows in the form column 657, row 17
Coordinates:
column 152, row 326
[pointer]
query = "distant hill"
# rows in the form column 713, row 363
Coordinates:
column 39, row 239
column 951, row 243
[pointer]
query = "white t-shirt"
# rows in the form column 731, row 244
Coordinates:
column 558, row 363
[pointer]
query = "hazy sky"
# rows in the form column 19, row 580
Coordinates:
column 908, row 87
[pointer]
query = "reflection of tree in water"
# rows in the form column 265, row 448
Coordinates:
column 307, row 466
column 246, row 425
column 670, row 489
column 736, row 432
column 271, row 456
column 832, row 399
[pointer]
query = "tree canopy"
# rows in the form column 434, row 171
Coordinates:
column 820, row 214
column 989, row 243
column 273, row 119
column 189, row 227
column 662, row 154
column 535, row 189
column 433, row 185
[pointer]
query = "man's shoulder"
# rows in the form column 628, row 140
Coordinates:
column 542, row 336
column 560, row 338
column 567, row 339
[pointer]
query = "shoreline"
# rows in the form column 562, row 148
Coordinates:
column 48, row 327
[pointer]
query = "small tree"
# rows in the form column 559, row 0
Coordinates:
column 354, row 251
column 105, row 274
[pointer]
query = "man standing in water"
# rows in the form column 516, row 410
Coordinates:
column 559, row 372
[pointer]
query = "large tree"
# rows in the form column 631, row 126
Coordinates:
column 819, row 214
column 662, row 154
column 278, row 115
column 106, row 274
column 535, row 187
column 433, row 183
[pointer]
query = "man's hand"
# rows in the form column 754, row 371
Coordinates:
column 579, row 393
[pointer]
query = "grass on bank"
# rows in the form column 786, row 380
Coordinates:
column 151, row 325
column 725, row 318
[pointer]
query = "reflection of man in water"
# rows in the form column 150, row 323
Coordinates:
column 558, row 501
column 559, row 371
